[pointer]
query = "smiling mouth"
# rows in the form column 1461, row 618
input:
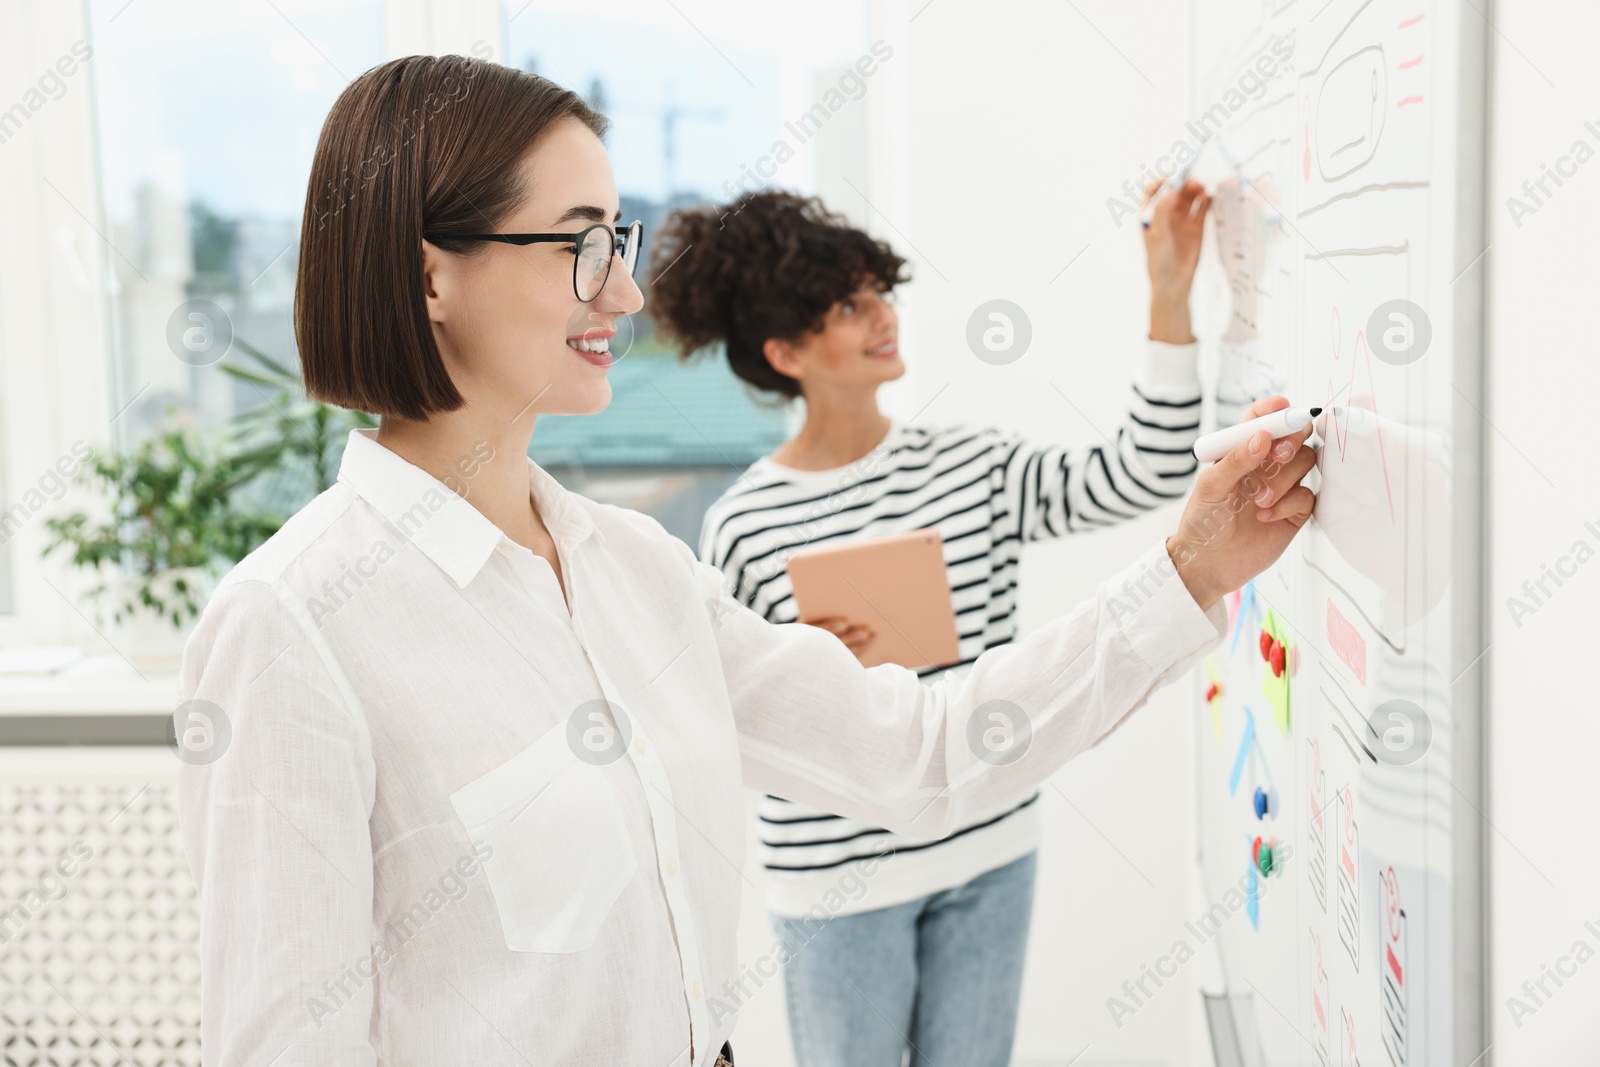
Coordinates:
column 594, row 345
column 888, row 348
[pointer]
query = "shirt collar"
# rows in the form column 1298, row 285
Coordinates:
column 450, row 531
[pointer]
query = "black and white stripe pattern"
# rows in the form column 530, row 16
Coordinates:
column 987, row 492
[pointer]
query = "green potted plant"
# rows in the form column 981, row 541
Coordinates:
column 167, row 532
column 299, row 439
column 181, row 509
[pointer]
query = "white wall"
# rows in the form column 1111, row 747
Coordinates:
column 1024, row 120
column 1020, row 119
column 1543, row 731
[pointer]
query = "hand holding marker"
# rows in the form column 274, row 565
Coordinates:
column 1174, row 181
column 1213, row 446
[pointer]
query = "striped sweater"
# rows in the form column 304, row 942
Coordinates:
column 987, row 492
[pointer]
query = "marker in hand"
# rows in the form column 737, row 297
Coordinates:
column 1175, row 181
column 1213, row 446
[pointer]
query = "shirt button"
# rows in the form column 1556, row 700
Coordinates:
column 697, row 991
column 638, row 745
column 672, row 868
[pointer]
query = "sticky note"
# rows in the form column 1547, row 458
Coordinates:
column 1276, row 687
column 1246, row 742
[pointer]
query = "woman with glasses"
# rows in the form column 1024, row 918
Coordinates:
column 928, row 959
column 463, row 752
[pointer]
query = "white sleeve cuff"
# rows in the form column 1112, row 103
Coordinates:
column 1168, row 372
column 1157, row 614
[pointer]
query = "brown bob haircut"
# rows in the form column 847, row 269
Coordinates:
column 420, row 144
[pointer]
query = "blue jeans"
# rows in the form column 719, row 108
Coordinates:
column 941, row 975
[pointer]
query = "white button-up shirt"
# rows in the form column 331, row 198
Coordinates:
column 435, row 817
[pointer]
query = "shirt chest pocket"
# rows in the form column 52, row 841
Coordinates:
column 560, row 851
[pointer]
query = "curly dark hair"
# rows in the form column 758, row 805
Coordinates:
column 767, row 265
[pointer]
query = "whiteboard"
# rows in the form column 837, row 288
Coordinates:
column 1346, row 176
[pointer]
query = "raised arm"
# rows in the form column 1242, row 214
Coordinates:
column 1053, row 490
column 275, row 829
column 1050, row 491
column 877, row 745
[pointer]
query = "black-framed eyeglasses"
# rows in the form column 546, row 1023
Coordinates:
column 593, row 249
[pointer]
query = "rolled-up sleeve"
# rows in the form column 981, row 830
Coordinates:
column 274, row 816
column 876, row 744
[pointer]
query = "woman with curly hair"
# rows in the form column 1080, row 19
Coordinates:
column 462, row 751
column 930, row 955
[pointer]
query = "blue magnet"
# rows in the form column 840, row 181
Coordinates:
column 1261, row 803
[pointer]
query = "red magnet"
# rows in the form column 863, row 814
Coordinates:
column 1274, row 652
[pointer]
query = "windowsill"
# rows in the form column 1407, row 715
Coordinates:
column 95, row 685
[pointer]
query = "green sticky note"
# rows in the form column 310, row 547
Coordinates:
column 1275, row 687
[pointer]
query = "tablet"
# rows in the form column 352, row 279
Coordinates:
column 896, row 584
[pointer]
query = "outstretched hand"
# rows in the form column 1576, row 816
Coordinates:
column 1244, row 510
column 1172, row 241
column 1172, row 252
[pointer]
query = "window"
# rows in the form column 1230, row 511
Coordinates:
column 173, row 169
column 207, row 117
column 699, row 95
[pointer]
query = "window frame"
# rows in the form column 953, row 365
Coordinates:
column 56, row 295
column 55, row 285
